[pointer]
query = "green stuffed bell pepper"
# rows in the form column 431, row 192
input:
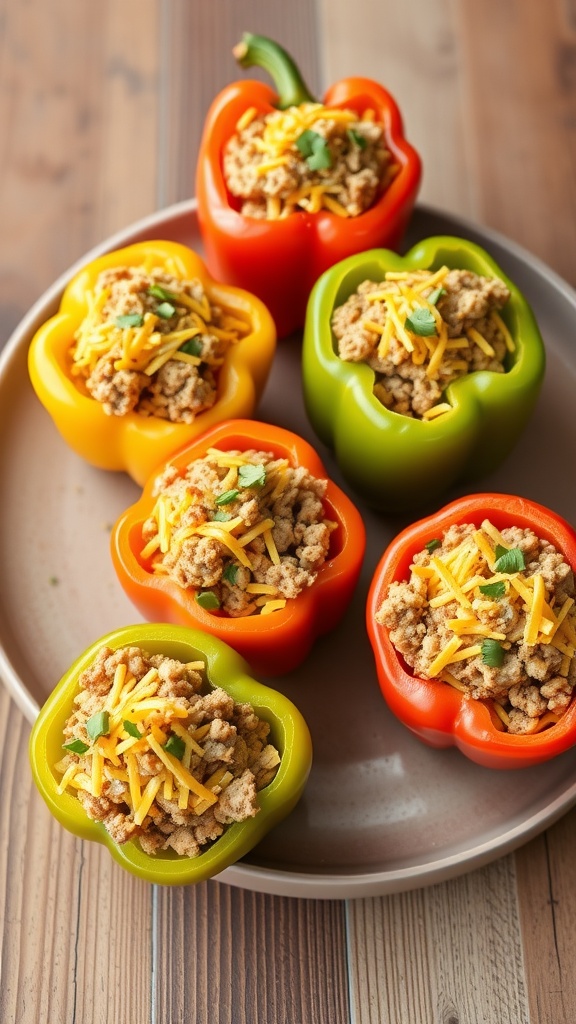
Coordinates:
column 158, row 743
column 420, row 371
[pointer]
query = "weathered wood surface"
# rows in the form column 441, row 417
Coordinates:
column 101, row 108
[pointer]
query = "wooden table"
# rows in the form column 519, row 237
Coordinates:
column 101, row 108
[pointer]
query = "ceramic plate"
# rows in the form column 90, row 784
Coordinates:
column 382, row 813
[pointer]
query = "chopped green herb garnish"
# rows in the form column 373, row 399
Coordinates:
column 98, row 725
column 193, row 347
column 220, row 516
column 435, row 295
column 252, row 476
column 162, row 293
column 131, row 728
column 230, row 573
column 433, row 544
column 76, row 746
column 492, row 653
column 175, row 745
column 227, row 497
column 421, row 322
column 509, row 559
column 129, row 320
column 357, row 138
column 165, row 310
column 314, row 149
column 493, row 589
column 208, row 599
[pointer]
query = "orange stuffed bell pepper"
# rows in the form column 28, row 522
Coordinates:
column 243, row 536
column 288, row 186
column 472, row 619
column 146, row 352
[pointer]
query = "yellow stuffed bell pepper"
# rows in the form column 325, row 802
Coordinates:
column 146, row 352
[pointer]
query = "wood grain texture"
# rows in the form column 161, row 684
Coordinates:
column 74, row 917
column 78, row 91
column 278, row 959
column 547, row 893
column 450, row 954
column 413, row 49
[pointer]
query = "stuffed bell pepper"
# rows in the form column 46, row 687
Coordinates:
column 147, row 352
column 420, row 371
column 472, row 619
column 288, row 185
column 158, row 743
column 242, row 535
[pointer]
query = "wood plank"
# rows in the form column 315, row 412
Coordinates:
column 520, row 95
column 232, row 954
column 547, row 894
column 448, row 953
column 412, row 51
column 78, row 109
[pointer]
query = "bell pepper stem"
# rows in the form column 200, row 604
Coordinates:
column 259, row 51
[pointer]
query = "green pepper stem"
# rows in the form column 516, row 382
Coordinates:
column 259, row 51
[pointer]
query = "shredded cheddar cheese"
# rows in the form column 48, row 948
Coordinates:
column 414, row 319
column 497, row 608
column 149, row 757
column 278, row 140
column 230, row 523
column 137, row 320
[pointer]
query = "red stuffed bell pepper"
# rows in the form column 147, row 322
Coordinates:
column 243, row 536
column 305, row 190
column 472, row 619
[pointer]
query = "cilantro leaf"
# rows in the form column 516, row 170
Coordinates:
column 493, row 589
column 421, row 322
column 193, row 347
column 208, row 599
column 356, row 138
column 492, row 653
column 175, row 745
column 435, row 295
column 220, row 516
column 98, row 725
column 162, row 293
column 252, row 476
column 314, row 149
column 129, row 320
column 165, row 310
column 431, row 545
column 227, row 497
column 76, row 746
column 509, row 559
column 230, row 574
column 131, row 728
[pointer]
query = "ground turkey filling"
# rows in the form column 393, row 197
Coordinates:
column 421, row 330
column 310, row 158
column 152, row 343
column 493, row 614
column 246, row 530
column 155, row 759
